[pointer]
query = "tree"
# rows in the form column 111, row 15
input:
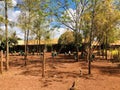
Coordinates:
column 107, row 18
column 1, row 19
column 68, row 17
column 13, row 40
column 1, row 31
column 7, row 3
column 46, row 38
column 67, row 38
column 32, row 11
column 6, row 33
column 38, row 23
column 26, row 22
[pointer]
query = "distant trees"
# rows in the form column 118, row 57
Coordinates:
column 68, row 38
column 12, row 41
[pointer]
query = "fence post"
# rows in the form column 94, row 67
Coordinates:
column 1, row 62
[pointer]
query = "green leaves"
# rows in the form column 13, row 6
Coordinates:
column 1, row 19
column 106, row 19
column 66, row 38
column 69, row 38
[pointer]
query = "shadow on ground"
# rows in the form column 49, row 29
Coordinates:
column 108, row 70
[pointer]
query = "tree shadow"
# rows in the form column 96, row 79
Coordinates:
column 52, row 73
column 46, row 83
column 62, row 57
column 115, row 60
column 108, row 70
column 34, row 67
column 62, row 74
column 16, row 63
column 31, row 73
column 35, row 62
column 60, row 60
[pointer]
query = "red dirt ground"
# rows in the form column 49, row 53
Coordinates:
column 59, row 74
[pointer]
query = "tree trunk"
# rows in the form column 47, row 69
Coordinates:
column 60, row 48
column 25, row 57
column 27, row 36
column 91, row 36
column 6, row 29
column 106, row 48
column 77, row 53
column 43, row 64
column 39, row 46
column 1, row 62
column 26, row 51
column 89, row 60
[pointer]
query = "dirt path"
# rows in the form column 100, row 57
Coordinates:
column 60, row 74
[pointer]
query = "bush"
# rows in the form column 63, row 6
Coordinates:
column 116, row 55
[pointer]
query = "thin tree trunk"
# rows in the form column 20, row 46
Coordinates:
column 59, row 49
column 77, row 53
column 25, row 57
column 6, row 29
column 76, row 36
column 89, row 60
column 39, row 46
column 26, row 49
column 43, row 64
column 27, row 36
column 1, row 62
column 106, row 48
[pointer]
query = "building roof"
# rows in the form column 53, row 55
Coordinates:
column 36, row 42
column 55, row 41
column 116, row 43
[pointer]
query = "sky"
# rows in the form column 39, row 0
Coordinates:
column 13, row 14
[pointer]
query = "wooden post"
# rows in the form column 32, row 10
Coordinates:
column 43, row 64
column 1, row 62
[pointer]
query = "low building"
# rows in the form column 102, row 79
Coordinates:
column 36, row 44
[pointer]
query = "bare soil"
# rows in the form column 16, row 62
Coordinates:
column 60, row 74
